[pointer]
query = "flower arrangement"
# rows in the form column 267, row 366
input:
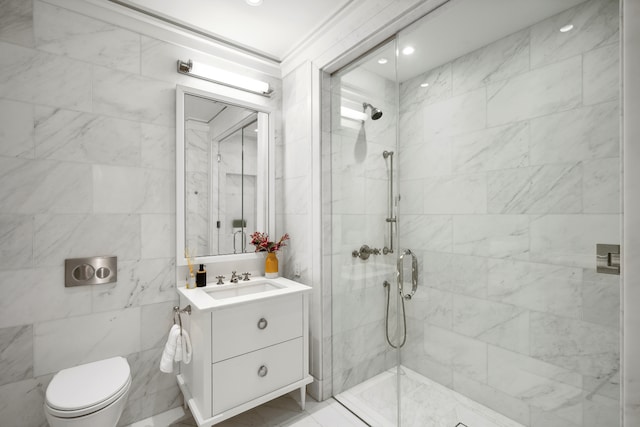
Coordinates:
column 263, row 244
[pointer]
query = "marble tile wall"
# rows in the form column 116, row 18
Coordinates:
column 522, row 142
column 87, row 165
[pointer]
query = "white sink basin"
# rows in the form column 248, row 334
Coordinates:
column 236, row 290
column 214, row 297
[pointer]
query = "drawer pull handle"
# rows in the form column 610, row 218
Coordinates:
column 263, row 371
column 262, row 323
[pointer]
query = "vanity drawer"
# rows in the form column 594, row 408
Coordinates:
column 244, row 328
column 243, row 378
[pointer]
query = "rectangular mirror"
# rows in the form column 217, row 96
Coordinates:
column 222, row 174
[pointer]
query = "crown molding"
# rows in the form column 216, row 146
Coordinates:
column 113, row 13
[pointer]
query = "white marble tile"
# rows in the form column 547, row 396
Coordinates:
column 157, row 235
column 499, row 60
column 540, row 287
column 15, row 397
column 501, row 147
column 413, row 96
column 580, row 134
column 571, row 239
column 158, row 147
column 411, row 197
column 352, row 310
column 426, row 232
column 578, row 346
column 458, row 273
column 433, row 305
column 16, row 22
column 133, row 97
column 551, row 89
column 601, row 411
column 16, row 129
column 122, row 190
column 465, row 355
column 431, row 157
column 500, row 324
column 16, row 363
column 595, row 23
column 540, row 418
column 499, row 236
column 494, row 399
column 601, row 299
column 457, row 115
column 536, row 190
column 456, row 194
column 85, row 137
column 602, row 74
column 295, row 200
column 156, row 321
column 602, row 186
column 537, row 383
column 58, row 237
column 411, row 126
column 33, row 76
column 41, row 296
column 64, row 343
column 39, row 186
column 16, row 241
column 63, row 32
column 147, row 405
column 139, row 283
column 146, row 376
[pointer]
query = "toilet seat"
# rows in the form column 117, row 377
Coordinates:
column 88, row 388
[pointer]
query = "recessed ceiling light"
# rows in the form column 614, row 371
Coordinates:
column 566, row 28
column 254, row 2
column 383, row 61
column 425, row 84
column 408, row 50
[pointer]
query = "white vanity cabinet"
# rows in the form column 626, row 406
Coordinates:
column 245, row 352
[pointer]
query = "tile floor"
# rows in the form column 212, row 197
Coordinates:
column 285, row 412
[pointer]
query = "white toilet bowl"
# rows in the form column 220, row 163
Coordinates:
column 91, row 395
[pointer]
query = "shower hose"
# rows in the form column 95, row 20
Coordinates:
column 387, row 285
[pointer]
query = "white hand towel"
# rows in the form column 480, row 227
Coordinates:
column 186, row 347
column 169, row 353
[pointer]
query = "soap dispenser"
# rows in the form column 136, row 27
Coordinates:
column 201, row 277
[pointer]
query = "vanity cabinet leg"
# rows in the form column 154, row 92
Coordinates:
column 303, row 395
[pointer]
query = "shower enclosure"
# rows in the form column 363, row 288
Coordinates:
column 475, row 165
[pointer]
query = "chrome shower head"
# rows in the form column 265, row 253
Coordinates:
column 376, row 113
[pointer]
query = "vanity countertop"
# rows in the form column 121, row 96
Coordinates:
column 214, row 297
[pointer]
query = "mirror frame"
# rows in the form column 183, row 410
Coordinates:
column 265, row 203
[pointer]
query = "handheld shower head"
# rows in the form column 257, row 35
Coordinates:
column 376, row 113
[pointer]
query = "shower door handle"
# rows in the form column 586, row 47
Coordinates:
column 414, row 273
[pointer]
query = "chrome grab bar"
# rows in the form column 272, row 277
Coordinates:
column 414, row 274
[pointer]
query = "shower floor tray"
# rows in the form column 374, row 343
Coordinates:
column 425, row 403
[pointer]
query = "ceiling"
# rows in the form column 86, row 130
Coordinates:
column 272, row 30
column 457, row 28
column 277, row 27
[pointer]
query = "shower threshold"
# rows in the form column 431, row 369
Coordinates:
column 424, row 403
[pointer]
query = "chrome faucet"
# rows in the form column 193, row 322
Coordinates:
column 234, row 277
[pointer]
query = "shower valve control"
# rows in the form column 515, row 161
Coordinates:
column 364, row 252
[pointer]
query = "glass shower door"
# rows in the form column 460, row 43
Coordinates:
column 366, row 330
column 505, row 142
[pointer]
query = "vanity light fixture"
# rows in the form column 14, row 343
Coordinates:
column 566, row 28
column 224, row 77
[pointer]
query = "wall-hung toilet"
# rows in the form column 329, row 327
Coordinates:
column 91, row 395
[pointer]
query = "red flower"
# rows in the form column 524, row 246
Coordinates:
column 262, row 243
